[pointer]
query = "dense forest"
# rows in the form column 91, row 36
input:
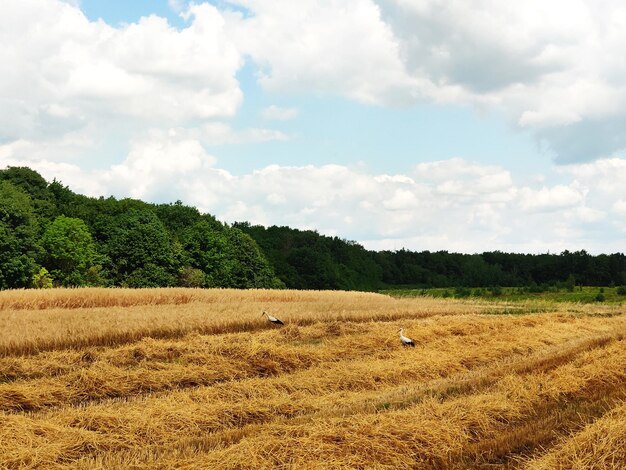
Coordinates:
column 305, row 258
column 50, row 235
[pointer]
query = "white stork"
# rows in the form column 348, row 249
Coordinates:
column 272, row 319
column 406, row 341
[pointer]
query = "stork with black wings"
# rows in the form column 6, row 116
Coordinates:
column 272, row 319
column 406, row 341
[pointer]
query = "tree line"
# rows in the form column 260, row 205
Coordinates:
column 307, row 259
column 50, row 235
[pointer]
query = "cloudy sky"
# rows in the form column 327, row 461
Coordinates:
column 465, row 125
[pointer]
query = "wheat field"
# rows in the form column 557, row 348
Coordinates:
column 184, row 378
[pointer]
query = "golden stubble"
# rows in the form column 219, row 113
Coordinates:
column 164, row 378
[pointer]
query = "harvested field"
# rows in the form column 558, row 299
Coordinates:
column 182, row 378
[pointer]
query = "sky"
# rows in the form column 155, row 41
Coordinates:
column 459, row 125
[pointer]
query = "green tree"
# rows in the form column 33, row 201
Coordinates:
column 249, row 268
column 177, row 216
column 191, row 277
column 304, row 259
column 207, row 249
column 42, row 279
column 70, row 250
column 149, row 275
column 33, row 184
column 140, row 251
column 18, row 243
column 95, row 277
column 29, row 181
column 227, row 256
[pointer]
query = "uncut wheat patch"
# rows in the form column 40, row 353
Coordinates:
column 215, row 311
column 89, row 297
column 92, row 297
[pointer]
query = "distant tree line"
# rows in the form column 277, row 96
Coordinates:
column 50, row 235
column 306, row 259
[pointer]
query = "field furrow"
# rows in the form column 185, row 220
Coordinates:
column 599, row 445
column 432, row 433
column 152, row 366
column 199, row 380
column 347, row 386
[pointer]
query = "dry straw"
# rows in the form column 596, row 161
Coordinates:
column 197, row 379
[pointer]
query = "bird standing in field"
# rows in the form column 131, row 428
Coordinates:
column 406, row 341
column 272, row 319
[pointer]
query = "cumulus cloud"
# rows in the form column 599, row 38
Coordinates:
column 324, row 46
column 605, row 181
column 619, row 207
column 68, row 147
column 466, row 181
column 64, row 71
column 551, row 66
column 608, row 175
column 551, row 199
column 176, row 5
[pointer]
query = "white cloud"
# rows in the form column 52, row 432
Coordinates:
column 550, row 199
column 469, row 181
column 401, row 199
column 552, row 66
column 276, row 113
column 326, row 46
column 70, row 146
column 585, row 215
column 64, row 71
column 608, row 175
column 605, row 182
column 158, row 168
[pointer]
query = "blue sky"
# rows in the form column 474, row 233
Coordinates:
column 424, row 124
column 116, row 12
column 332, row 129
